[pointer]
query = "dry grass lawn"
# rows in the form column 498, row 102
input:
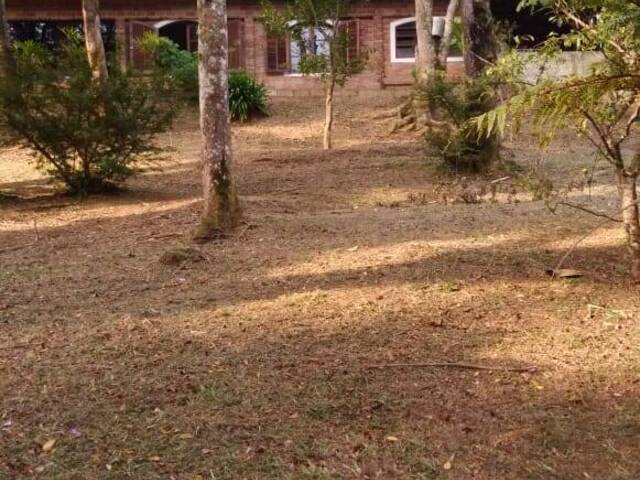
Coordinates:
column 251, row 359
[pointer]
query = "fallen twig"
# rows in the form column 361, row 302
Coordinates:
column 17, row 247
column 587, row 235
column 466, row 366
column 165, row 235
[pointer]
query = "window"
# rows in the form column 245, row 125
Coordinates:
column 307, row 41
column 51, row 33
column 184, row 33
column 404, row 40
column 284, row 53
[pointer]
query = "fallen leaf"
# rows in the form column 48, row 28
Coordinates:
column 448, row 465
column 48, row 445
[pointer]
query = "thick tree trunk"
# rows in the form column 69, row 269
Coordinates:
column 445, row 41
column 93, row 38
column 426, row 54
column 328, row 113
column 7, row 62
column 480, row 42
column 627, row 185
column 221, row 208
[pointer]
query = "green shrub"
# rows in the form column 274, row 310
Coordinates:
column 86, row 135
column 452, row 135
column 180, row 65
column 247, row 97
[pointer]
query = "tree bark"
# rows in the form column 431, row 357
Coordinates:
column 480, row 51
column 7, row 62
column 426, row 54
column 480, row 42
column 328, row 113
column 93, row 39
column 445, row 41
column 627, row 185
column 221, row 209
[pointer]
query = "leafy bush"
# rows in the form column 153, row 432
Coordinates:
column 452, row 135
column 247, row 97
column 180, row 65
column 87, row 135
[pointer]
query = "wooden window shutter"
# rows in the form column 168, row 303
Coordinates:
column 276, row 55
column 353, row 38
column 235, row 28
column 137, row 57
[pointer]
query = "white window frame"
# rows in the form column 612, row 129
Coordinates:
column 392, row 42
column 291, row 24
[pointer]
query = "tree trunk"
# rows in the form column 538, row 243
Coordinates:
column 445, row 41
column 480, row 42
column 426, row 54
column 328, row 112
column 480, row 51
column 7, row 62
column 221, row 208
column 93, row 38
column 631, row 219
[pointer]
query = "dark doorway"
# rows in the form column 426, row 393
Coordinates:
column 182, row 33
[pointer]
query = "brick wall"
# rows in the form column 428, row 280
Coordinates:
column 375, row 18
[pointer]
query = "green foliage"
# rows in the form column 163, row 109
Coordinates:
column 87, row 135
column 180, row 65
column 247, row 97
column 451, row 134
column 325, row 19
column 602, row 106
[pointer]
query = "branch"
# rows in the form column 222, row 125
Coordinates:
column 465, row 366
column 586, row 26
column 613, row 154
column 584, row 237
column 588, row 210
column 632, row 119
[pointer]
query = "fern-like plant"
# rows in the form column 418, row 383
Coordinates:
column 603, row 106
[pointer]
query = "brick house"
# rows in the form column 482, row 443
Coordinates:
column 385, row 28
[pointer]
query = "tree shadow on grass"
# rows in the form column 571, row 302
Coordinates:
column 161, row 397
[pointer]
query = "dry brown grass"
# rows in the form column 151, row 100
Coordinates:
column 248, row 359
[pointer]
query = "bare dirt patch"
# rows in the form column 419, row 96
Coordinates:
column 249, row 358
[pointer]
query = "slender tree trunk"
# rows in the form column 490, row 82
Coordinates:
column 328, row 112
column 627, row 185
column 7, row 62
column 445, row 41
column 93, row 38
column 480, row 42
column 480, row 51
column 426, row 54
column 221, row 208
